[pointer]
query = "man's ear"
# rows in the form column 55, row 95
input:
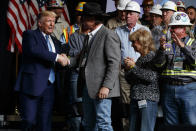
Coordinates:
column 39, row 23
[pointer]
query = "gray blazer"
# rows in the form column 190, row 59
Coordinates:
column 103, row 64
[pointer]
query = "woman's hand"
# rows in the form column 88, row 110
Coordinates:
column 163, row 42
column 129, row 63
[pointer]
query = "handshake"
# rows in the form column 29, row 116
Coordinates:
column 63, row 59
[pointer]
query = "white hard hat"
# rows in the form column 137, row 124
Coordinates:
column 156, row 9
column 180, row 18
column 122, row 4
column 169, row 5
column 180, row 4
column 133, row 6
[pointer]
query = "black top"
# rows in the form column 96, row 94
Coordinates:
column 144, row 79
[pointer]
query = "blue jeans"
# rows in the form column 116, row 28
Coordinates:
column 179, row 104
column 96, row 113
column 143, row 118
column 75, row 120
column 73, row 98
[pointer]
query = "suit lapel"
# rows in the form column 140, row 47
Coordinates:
column 95, row 41
column 43, row 41
column 57, row 44
column 41, row 37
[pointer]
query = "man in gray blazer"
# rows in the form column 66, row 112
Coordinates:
column 99, row 70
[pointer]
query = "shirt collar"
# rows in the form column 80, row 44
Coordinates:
column 44, row 34
column 92, row 33
column 133, row 29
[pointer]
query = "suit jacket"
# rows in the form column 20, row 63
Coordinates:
column 103, row 64
column 37, row 62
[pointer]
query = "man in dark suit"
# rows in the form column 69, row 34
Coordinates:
column 36, row 79
column 99, row 69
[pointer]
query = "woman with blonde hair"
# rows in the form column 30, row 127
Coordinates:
column 143, row 77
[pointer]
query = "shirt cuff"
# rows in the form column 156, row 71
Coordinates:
column 57, row 56
column 68, row 61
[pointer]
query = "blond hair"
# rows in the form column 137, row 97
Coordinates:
column 189, row 32
column 45, row 14
column 145, row 39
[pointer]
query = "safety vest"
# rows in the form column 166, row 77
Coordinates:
column 67, row 32
column 187, row 71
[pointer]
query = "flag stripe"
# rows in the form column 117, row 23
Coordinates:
column 14, row 31
column 27, row 14
column 20, row 17
column 18, row 25
column 11, row 37
column 33, row 8
column 18, row 20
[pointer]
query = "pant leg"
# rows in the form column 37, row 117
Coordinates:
column 148, row 116
column 134, row 119
column 45, row 109
column 187, row 101
column 89, row 112
column 124, row 88
column 28, row 111
column 73, row 87
column 103, row 114
column 170, row 105
column 75, row 118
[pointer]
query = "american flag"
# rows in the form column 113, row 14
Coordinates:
column 22, row 15
column 18, row 20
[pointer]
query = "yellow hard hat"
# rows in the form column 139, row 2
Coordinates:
column 80, row 6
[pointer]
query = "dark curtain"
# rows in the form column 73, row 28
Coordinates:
column 7, row 65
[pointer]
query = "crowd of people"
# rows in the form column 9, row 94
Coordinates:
column 119, row 67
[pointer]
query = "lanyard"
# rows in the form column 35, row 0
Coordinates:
column 174, row 48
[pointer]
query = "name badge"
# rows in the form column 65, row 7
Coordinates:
column 142, row 104
column 178, row 63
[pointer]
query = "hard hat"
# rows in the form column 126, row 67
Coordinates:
column 133, row 6
column 122, row 4
column 147, row 3
column 55, row 4
column 180, row 18
column 80, row 6
column 156, row 9
column 180, row 4
column 169, row 5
